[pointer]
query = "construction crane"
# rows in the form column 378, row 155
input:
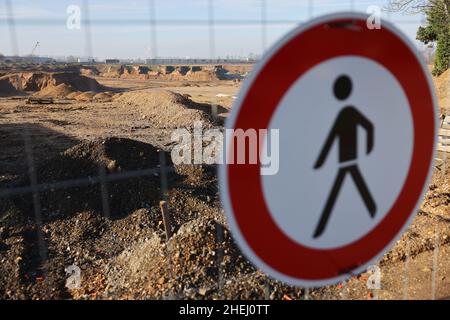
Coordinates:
column 34, row 49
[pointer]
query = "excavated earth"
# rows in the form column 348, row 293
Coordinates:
column 55, row 84
column 90, row 197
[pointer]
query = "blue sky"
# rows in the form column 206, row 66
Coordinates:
column 120, row 29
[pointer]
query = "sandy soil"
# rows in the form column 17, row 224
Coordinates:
column 124, row 254
column 218, row 92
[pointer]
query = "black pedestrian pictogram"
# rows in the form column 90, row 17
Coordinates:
column 345, row 128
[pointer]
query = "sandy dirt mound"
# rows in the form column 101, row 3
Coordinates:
column 103, row 96
column 135, row 72
column 89, row 72
column 59, row 91
column 111, row 156
column 85, row 96
column 127, row 72
column 166, row 109
column 111, row 71
column 73, row 95
column 195, row 73
column 167, row 72
column 51, row 84
column 201, row 261
column 238, row 68
column 165, row 270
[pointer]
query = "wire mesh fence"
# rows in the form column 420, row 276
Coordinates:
column 261, row 19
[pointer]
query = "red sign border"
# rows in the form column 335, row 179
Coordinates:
column 251, row 223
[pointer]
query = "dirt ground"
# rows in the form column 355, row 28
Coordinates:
column 119, row 243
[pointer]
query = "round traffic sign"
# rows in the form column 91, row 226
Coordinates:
column 355, row 115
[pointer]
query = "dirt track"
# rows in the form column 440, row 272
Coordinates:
column 123, row 255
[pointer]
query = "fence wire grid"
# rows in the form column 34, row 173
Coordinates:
column 210, row 24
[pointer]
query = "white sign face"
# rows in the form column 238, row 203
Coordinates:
column 355, row 113
column 307, row 114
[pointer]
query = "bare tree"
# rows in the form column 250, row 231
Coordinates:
column 417, row 6
column 409, row 6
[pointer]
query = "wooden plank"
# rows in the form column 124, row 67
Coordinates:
column 443, row 148
column 444, row 132
column 45, row 100
column 444, row 142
